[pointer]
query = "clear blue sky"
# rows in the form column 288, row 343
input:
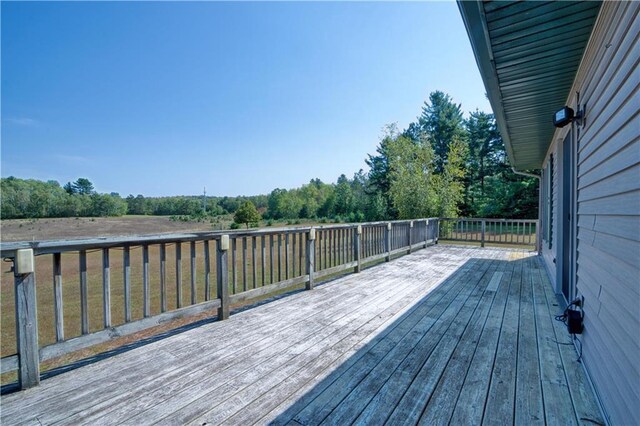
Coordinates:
column 166, row 98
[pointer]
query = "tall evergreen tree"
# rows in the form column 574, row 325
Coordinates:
column 441, row 120
column 379, row 169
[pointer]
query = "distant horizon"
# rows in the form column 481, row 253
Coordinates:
column 164, row 99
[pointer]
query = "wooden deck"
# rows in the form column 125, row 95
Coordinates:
column 458, row 335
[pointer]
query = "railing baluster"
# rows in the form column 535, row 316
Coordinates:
column 254, row 260
column 57, row 296
column 318, row 250
column 179, row 274
column 286, row 256
column 294, row 253
column 106, row 289
column 341, row 245
column 234, row 270
column 194, row 298
column 244, row 263
column 324, row 249
column 279, row 257
column 163, row 277
column 271, row 271
column 330, row 248
column 263, row 259
column 300, row 248
column 84, row 306
column 126, row 271
column 146, row 299
column 207, row 271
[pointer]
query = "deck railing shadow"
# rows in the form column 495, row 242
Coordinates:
column 393, row 377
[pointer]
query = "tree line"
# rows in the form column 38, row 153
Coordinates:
column 440, row 165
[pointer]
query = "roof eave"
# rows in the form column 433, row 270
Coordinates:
column 473, row 13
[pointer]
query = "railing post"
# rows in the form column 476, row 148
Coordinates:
column 426, row 233
column 26, row 319
column 356, row 248
column 437, row 233
column 222, row 256
column 311, row 255
column 410, row 232
column 387, row 242
column 484, row 224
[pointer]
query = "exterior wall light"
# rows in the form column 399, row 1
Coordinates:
column 563, row 117
column 566, row 115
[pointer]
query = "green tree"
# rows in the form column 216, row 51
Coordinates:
column 344, row 196
column 379, row 180
column 412, row 188
column 68, row 187
column 450, row 183
column 107, row 205
column 246, row 213
column 83, row 186
column 441, row 120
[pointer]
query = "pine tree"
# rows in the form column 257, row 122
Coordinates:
column 441, row 120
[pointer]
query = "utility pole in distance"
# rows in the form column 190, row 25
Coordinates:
column 204, row 201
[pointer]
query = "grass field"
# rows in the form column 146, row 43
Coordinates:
column 72, row 228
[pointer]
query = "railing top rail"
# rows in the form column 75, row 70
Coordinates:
column 7, row 250
column 487, row 219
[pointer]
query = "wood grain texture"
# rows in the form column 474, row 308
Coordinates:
column 106, row 289
column 58, row 306
column 417, row 339
column 163, row 277
column 26, row 330
column 126, row 272
column 84, row 293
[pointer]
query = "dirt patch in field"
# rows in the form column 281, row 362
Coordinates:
column 84, row 227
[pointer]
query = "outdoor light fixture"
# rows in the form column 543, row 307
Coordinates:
column 563, row 117
column 566, row 115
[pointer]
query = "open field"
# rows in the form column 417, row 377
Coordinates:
column 90, row 227
column 72, row 228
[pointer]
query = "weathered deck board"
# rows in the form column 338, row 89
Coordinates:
column 446, row 334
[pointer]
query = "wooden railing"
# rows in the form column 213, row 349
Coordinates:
column 121, row 286
column 494, row 231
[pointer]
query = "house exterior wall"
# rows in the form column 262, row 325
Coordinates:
column 607, row 267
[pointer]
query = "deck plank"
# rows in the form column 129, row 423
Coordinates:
column 499, row 407
column 469, row 407
column 558, row 406
column 529, row 405
column 216, row 390
column 443, row 400
column 215, row 348
column 446, row 334
column 331, row 397
column 584, row 401
column 413, row 402
column 233, row 404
